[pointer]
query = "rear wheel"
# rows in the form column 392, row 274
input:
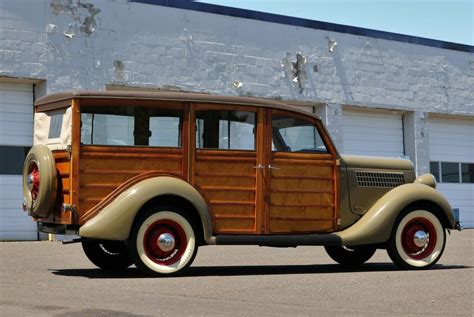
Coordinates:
column 351, row 256
column 108, row 255
column 417, row 241
column 162, row 242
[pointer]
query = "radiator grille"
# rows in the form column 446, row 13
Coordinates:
column 381, row 180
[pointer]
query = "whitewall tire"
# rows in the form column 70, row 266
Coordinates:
column 162, row 242
column 417, row 241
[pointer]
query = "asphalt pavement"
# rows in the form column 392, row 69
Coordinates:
column 51, row 279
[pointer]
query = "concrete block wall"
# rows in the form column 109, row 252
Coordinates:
column 91, row 44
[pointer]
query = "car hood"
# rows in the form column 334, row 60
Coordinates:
column 374, row 162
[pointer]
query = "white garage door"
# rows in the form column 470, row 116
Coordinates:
column 452, row 161
column 16, row 136
column 373, row 133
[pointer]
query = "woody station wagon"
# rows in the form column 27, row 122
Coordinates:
column 147, row 178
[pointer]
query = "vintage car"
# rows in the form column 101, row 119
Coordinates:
column 146, row 178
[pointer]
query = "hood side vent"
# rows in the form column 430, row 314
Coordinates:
column 379, row 179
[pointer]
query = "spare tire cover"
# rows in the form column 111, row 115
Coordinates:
column 39, row 182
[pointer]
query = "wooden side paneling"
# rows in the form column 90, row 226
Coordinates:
column 63, row 168
column 227, row 180
column 302, row 194
column 103, row 169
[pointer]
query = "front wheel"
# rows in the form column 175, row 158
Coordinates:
column 351, row 256
column 162, row 242
column 108, row 255
column 417, row 241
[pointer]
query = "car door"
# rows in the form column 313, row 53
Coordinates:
column 225, row 161
column 301, row 176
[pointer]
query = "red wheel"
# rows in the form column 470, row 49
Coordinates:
column 39, row 182
column 162, row 242
column 417, row 241
column 165, row 242
column 418, row 238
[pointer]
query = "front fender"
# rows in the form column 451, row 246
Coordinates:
column 114, row 222
column 377, row 223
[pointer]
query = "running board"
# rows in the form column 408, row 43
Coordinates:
column 279, row 240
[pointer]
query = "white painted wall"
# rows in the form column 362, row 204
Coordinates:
column 452, row 140
column 14, row 224
column 16, row 114
column 155, row 46
column 372, row 133
column 16, row 128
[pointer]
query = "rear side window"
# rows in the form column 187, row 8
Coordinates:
column 55, row 124
column 131, row 126
column 226, row 130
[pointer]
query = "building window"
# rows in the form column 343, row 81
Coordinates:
column 452, row 172
column 449, row 172
column 434, row 169
column 467, row 172
column 12, row 158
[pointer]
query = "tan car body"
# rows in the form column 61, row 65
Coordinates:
column 115, row 220
column 365, row 215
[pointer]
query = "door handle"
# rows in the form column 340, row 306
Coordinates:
column 259, row 166
column 273, row 167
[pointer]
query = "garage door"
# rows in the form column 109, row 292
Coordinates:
column 452, row 162
column 16, row 136
column 373, row 133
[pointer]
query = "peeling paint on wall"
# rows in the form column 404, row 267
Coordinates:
column 296, row 69
column 82, row 13
column 119, row 70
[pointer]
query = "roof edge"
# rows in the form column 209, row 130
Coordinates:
column 301, row 22
column 170, row 96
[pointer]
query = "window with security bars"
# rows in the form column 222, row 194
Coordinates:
column 382, row 180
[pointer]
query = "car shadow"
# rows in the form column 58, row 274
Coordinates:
column 248, row 270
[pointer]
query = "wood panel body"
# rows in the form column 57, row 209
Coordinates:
column 244, row 194
column 301, row 189
column 228, row 181
column 104, row 168
column 106, row 171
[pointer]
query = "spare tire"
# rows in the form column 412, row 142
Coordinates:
column 40, row 182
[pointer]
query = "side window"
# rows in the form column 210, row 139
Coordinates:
column 291, row 134
column 165, row 131
column 56, row 124
column 129, row 126
column 228, row 130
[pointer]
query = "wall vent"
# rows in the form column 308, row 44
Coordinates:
column 378, row 179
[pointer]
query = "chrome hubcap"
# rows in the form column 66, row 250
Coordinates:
column 420, row 238
column 166, row 242
column 30, row 181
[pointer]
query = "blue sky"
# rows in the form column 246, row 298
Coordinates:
column 447, row 20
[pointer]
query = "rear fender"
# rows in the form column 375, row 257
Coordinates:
column 376, row 225
column 114, row 222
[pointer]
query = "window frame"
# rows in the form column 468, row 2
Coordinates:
column 323, row 133
column 153, row 104
column 222, row 107
column 459, row 169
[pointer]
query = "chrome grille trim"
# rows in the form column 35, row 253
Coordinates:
column 379, row 179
